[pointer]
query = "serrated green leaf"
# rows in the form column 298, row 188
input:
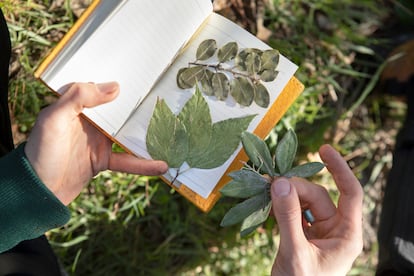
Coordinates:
column 305, row 170
column 261, row 95
column 206, row 83
column 195, row 116
column 245, row 184
column 221, row 86
column 224, row 141
column 242, row 91
column 286, row 151
column 258, row 152
column 206, row 49
column 268, row 75
column 227, row 52
column 270, row 59
column 166, row 136
column 255, row 219
column 242, row 210
column 188, row 77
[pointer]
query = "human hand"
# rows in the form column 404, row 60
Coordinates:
column 66, row 151
column 331, row 244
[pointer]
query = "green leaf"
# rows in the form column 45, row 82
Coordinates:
column 240, row 60
column 270, row 59
column 188, row 77
column 206, row 83
column 180, row 82
column 286, row 151
column 221, row 86
column 261, row 95
column 258, row 152
column 206, row 49
column 242, row 210
column 224, row 141
column 255, row 219
column 227, row 52
column 253, row 63
column 242, row 91
column 166, row 136
column 268, row 75
column 196, row 119
column 305, row 170
column 245, row 183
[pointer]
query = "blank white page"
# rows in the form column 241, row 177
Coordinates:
column 133, row 46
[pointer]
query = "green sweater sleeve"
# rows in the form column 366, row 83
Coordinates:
column 27, row 207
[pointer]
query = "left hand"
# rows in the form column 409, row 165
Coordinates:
column 66, row 151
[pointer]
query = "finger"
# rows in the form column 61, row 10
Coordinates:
column 124, row 162
column 286, row 209
column 81, row 95
column 351, row 194
column 314, row 197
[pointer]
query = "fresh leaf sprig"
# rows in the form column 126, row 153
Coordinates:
column 191, row 137
column 238, row 72
column 253, row 183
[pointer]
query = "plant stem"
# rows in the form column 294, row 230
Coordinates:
column 218, row 67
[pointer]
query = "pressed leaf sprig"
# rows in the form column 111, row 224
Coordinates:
column 190, row 137
column 238, row 72
column 251, row 184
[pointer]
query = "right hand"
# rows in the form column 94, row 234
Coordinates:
column 331, row 244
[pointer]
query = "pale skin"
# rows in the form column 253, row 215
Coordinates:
column 66, row 151
column 331, row 244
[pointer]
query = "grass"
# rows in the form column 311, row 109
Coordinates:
column 129, row 225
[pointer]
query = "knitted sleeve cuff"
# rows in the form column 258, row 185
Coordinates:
column 27, row 207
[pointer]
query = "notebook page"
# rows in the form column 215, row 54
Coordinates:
column 133, row 47
column 222, row 30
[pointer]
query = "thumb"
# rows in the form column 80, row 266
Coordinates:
column 286, row 209
column 81, row 95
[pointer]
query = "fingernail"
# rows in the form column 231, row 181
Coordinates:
column 107, row 87
column 281, row 187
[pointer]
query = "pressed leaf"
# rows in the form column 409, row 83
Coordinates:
column 196, row 119
column 224, row 141
column 245, row 184
column 189, row 76
column 305, row 170
column 286, row 151
column 227, row 52
column 166, row 136
column 258, row 152
column 242, row 91
column 268, row 75
column 180, row 82
column 221, row 86
column 253, row 63
column 206, row 49
column 261, row 95
column 242, row 210
column 256, row 219
column 206, row 83
column 270, row 59
column 240, row 59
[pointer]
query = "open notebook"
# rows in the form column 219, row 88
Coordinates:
column 142, row 45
